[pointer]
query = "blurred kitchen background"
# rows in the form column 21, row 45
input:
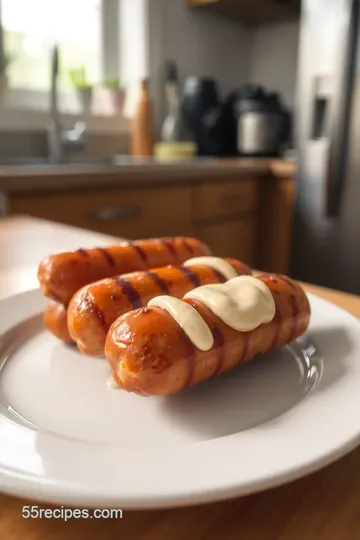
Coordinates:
column 224, row 119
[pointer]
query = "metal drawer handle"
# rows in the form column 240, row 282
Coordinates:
column 110, row 213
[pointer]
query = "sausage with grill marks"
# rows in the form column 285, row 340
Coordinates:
column 95, row 307
column 150, row 354
column 62, row 274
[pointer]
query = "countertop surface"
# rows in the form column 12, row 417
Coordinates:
column 34, row 176
column 323, row 506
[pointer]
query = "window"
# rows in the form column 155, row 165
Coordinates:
column 32, row 27
column 103, row 39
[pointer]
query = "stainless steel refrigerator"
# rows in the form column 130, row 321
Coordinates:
column 326, row 235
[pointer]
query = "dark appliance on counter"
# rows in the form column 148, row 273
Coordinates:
column 251, row 122
column 258, row 124
column 203, row 111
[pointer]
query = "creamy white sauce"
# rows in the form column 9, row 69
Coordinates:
column 112, row 383
column 188, row 319
column 218, row 264
column 243, row 303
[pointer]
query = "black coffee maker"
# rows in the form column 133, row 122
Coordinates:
column 203, row 110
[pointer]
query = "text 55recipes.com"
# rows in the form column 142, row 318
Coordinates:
column 34, row 512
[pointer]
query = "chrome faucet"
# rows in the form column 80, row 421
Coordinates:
column 60, row 140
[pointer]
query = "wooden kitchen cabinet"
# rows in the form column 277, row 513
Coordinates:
column 131, row 213
column 248, row 217
column 252, row 13
column 254, row 223
column 226, row 198
column 276, row 206
column 232, row 239
column 159, row 211
column 226, row 214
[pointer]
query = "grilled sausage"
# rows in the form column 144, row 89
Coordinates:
column 150, row 354
column 62, row 274
column 55, row 319
column 95, row 307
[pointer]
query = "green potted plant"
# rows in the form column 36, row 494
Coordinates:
column 83, row 86
column 116, row 94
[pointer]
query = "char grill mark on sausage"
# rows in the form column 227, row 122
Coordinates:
column 170, row 246
column 96, row 310
column 140, row 252
column 190, row 275
column 130, row 292
column 161, row 283
column 188, row 247
column 221, row 278
column 110, row 259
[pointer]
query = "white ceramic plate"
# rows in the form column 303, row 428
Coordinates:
column 67, row 438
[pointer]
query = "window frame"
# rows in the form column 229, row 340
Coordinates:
column 28, row 109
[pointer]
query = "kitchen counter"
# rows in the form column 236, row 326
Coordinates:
column 53, row 177
column 323, row 506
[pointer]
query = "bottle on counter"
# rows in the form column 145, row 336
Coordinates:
column 142, row 124
column 172, row 126
column 177, row 141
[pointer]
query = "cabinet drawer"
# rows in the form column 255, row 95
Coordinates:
column 226, row 198
column 131, row 213
column 232, row 239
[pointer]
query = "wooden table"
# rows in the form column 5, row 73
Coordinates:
column 323, row 506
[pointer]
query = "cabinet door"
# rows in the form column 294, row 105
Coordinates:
column 275, row 225
column 232, row 239
column 225, row 199
column 130, row 213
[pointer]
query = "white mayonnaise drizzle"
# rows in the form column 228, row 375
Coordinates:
column 243, row 303
column 218, row 264
column 188, row 319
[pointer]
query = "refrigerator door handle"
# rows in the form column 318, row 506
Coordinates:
column 340, row 110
